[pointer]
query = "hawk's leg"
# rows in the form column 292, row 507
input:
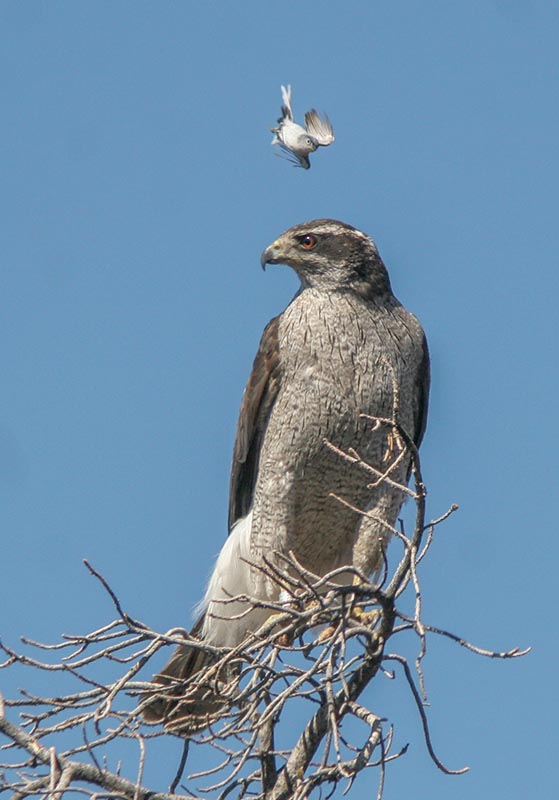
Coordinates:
column 358, row 614
column 286, row 638
column 367, row 618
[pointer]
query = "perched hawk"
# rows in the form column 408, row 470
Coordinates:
column 343, row 348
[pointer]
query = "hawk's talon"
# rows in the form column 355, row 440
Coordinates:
column 366, row 618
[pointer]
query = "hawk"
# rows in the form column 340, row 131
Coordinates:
column 340, row 353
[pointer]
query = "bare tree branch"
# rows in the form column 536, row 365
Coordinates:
column 312, row 661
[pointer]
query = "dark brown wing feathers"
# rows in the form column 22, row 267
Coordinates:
column 423, row 381
column 259, row 397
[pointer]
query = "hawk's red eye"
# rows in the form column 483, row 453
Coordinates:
column 308, row 241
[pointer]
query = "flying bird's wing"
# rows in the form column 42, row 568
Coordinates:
column 259, row 397
column 298, row 158
column 320, row 127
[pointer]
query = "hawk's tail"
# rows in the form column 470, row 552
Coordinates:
column 185, row 702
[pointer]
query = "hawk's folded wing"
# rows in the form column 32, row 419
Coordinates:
column 258, row 399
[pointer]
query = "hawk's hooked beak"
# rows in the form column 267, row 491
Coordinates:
column 272, row 254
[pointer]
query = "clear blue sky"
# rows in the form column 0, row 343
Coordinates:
column 137, row 190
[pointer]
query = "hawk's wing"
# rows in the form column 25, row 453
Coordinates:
column 258, row 399
column 422, row 387
column 320, row 127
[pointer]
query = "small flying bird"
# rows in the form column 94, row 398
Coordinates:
column 297, row 141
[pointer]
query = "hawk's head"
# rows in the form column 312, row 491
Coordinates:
column 331, row 255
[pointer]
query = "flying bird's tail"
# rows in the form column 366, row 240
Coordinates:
column 286, row 103
column 286, row 114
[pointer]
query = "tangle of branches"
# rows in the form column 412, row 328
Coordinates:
column 295, row 717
